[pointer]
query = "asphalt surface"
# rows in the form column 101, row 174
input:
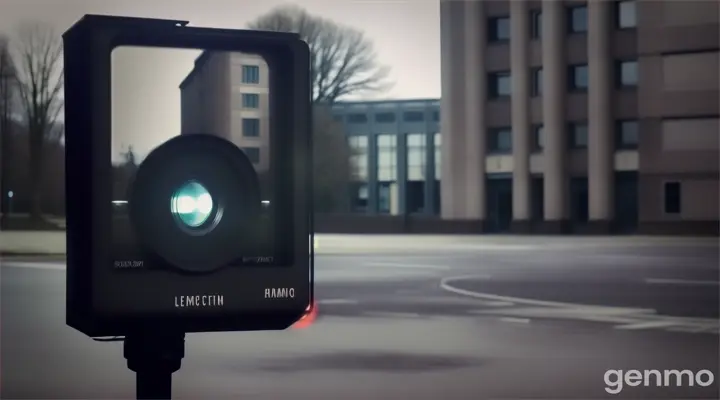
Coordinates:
column 506, row 322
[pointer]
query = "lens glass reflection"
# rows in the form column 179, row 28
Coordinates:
column 191, row 204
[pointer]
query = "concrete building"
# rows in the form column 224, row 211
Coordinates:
column 226, row 94
column 581, row 115
column 396, row 156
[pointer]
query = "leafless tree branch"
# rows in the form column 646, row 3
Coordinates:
column 40, row 82
column 343, row 58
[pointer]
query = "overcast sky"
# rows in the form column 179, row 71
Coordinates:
column 406, row 34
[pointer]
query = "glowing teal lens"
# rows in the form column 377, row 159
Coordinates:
column 192, row 204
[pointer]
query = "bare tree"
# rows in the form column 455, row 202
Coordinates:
column 7, row 84
column 40, row 82
column 343, row 58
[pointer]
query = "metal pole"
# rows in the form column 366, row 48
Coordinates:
column 154, row 357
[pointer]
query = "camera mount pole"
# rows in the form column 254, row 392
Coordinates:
column 154, row 357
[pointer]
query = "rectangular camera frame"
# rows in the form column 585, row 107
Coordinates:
column 88, row 45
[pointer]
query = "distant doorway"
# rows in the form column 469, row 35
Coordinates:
column 499, row 204
column 626, row 201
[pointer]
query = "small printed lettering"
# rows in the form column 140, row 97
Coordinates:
column 280, row 293
column 129, row 264
column 199, row 301
column 259, row 260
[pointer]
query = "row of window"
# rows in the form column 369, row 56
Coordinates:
column 387, row 117
column 500, row 83
column 499, row 140
column 387, row 156
column 625, row 17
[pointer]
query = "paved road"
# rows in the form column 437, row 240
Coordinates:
column 503, row 322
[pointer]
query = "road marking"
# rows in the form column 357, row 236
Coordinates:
column 499, row 303
column 406, row 265
column 34, row 265
column 337, row 301
column 660, row 281
column 515, row 320
column 646, row 325
column 445, row 284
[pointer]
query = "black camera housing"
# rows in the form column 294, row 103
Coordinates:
column 102, row 301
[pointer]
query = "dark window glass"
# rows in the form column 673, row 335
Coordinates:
column 385, row 117
column 250, row 74
column 627, row 134
column 338, row 117
column 500, row 140
column 250, row 100
column 673, row 198
column 252, row 153
column 251, row 127
column 537, row 138
column 578, row 136
column 536, row 82
column 499, row 29
column 499, row 84
column 578, row 76
column 627, row 73
column 357, row 118
column 625, row 14
column 413, row 116
column 535, row 24
column 578, row 20
column 436, row 116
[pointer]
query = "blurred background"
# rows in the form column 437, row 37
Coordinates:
column 559, row 157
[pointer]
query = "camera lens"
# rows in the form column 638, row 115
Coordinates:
column 191, row 205
column 195, row 203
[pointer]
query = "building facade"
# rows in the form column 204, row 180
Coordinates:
column 395, row 149
column 594, row 114
column 226, row 94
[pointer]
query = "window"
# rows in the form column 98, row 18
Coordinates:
column 251, row 127
column 413, row 116
column 357, row 118
column 500, row 140
column 386, row 158
column 625, row 14
column 577, row 19
column 578, row 76
column 578, row 136
column 250, row 100
column 437, row 143
column 499, row 85
column 535, row 24
column 627, row 74
column 627, row 133
column 537, row 138
column 385, row 117
column 359, row 157
column 250, row 74
column 416, row 151
column 673, row 197
column 338, row 117
column 252, row 153
column 436, row 116
column 499, row 29
column 536, row 82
